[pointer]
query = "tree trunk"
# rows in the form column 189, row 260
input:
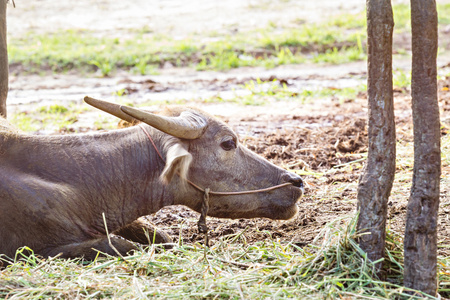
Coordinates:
column 421, row 219
column 375, row 183
column 3, row 59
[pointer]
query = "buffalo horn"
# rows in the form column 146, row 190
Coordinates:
column 111, row 108
column 188, row 125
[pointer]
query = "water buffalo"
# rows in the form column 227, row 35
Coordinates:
column 54, row 190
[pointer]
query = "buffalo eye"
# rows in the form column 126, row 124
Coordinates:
column 228, row 145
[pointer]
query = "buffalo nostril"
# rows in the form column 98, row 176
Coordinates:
column 298, row 182
column 294, row 179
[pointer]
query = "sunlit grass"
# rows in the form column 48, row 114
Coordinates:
column 338, row 40
column 68, row 50
column 401, row 79
column 143, row 53
column 332, row 267
column 51, row 118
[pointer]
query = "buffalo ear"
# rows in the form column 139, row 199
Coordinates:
column 178, row 160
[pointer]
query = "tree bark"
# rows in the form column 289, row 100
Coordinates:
column 376, row 181
column 4, row 71
column 421, row 219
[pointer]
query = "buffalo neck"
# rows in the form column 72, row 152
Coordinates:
column 115, row 172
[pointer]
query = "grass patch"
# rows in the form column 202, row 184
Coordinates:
column 333, row 266
column 25, row 122
column 401, row 79
column 443, row 13
column 338, row 40
column 402, row 15
column 55, row 118
column 53, row 109
column 144, row 53
column 259, row 92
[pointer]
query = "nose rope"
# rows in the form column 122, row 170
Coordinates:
column 202, row 227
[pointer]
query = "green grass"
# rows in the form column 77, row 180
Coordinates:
column 402, row 16
column 68, row 50
column 335, row 41
column 144, row 53
column 53, row 109
column 401, row 79
column 24, row 122
column 259, row 92
column 444, row 13
column 55, row 117
column 332, row 267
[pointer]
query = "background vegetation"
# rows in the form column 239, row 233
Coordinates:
column 336, row 41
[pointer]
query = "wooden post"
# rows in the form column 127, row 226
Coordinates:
column 421, row 219
column 376, row 181
column 4, row 71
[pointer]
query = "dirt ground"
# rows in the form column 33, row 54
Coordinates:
column 325, row 139
column 174, row 17
column 332, row 153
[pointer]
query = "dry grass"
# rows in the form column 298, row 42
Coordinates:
column 333, row 266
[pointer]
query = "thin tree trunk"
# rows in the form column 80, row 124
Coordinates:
column 422, row 213
column 3, row 59
column 375, row 183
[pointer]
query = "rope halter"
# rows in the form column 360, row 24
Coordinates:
column 202, row 227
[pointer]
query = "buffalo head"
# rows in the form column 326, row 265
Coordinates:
column 206, row 151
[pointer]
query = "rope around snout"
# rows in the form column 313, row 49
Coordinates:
column 202, row 227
